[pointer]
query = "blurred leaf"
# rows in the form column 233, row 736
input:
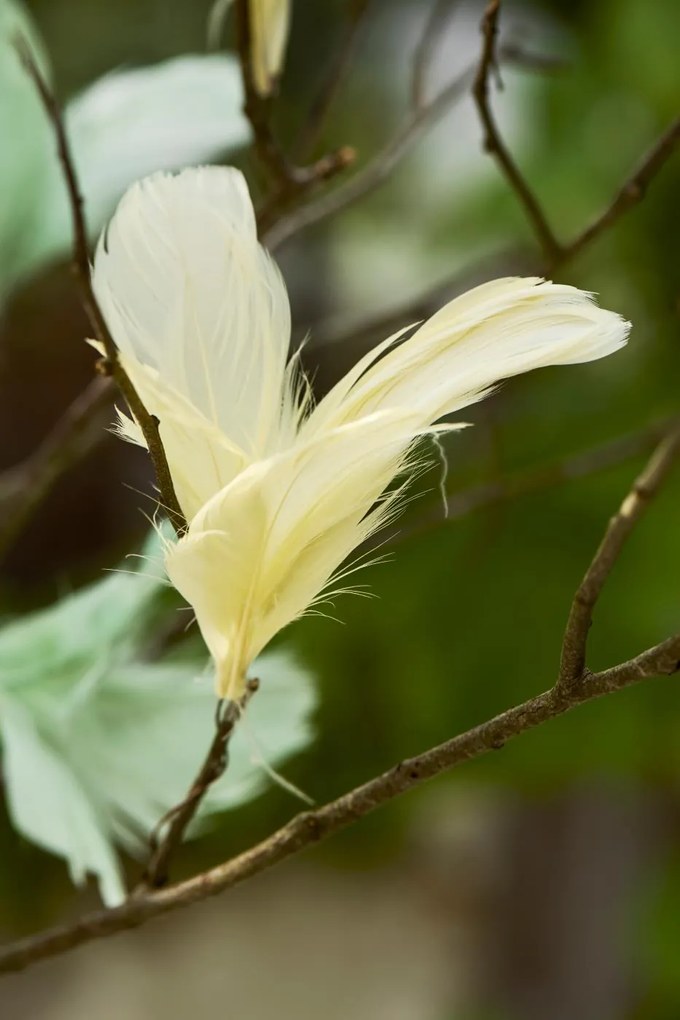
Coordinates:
column 26, row 151
column 132, row 123
column 98, row 745
column 126, row 125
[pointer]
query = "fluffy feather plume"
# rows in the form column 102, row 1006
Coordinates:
column 278, row 494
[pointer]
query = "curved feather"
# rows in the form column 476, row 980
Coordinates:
column 279, row 495
column 495, row 331
column 200, row 315
column 264, row 549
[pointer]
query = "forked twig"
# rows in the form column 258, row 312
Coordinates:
column 629, row 194
column 288, row 181
column 310, row 827
column 493, row 142
column 169, row 833
column 619, row 529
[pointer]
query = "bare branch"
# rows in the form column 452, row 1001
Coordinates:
column 177, row 820
column 645, row 488
column 631, row 192
column 503, row 489
column 574, row 685
column 421, row 118
column 332, row 83
column 376, row 171
column 494, row 144
column 311, row 827
column 110, row 365
column 25, row 486
column 288, row 182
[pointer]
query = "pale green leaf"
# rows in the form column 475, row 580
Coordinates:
column 26, row 149
column 98, row 745
column 125, row 125
column 132, row 123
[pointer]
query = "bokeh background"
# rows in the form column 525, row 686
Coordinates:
column 542, row 882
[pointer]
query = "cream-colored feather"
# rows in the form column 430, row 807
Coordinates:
column 492, row 332
column 200, row 314
column 205, row 305
column 277, row 494
column 265, row 548
column 269, row 25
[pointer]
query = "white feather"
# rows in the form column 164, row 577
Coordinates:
column 492, row 332
column 267, row 546
column 277, row 494
column 201, row 317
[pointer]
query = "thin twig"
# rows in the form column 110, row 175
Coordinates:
column 333, row 81
column 517, row 56
column 631, row 192
column 374, row 173
column 311, row 827
column 23, row 487
column 645, row 488
column 288, row 181
column 494, row 144
column 257, row 108
column 421, row 117
column 169, row 833
column 110, row 364
column 439, row 14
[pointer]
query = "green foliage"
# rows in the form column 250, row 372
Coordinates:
column 98, row 743
column 122, row 127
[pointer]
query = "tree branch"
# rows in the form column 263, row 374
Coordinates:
column 374, row 173
column 311, row 827
column 288, row 182
column 25, row 486
column 110, row 364
column 422, row 116
column 176, row 821
column 494, row 144
column 631, row 192
column 645, row 488
column 501, row 490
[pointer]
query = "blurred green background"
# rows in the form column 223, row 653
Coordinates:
column 540, row 882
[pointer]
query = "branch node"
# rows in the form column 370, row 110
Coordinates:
column 493, row 143
column 104, row 366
